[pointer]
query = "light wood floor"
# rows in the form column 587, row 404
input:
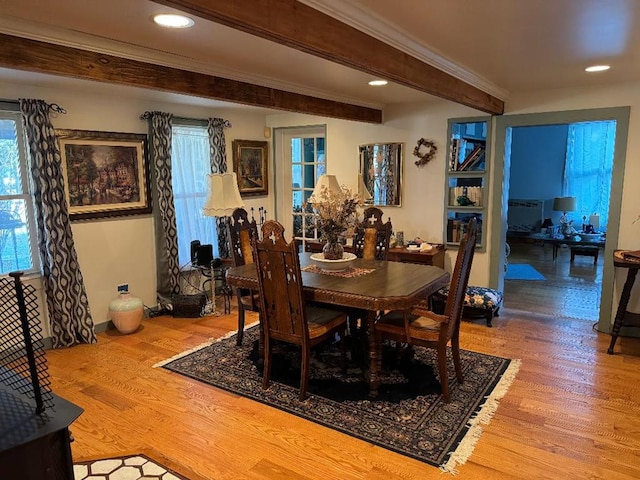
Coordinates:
column 572, row 289
column 573, row 411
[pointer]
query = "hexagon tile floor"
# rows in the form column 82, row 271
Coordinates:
column 131, row 467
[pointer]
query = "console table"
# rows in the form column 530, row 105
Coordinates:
column 433, row 257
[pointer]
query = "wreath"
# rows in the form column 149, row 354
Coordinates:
column 425, row 150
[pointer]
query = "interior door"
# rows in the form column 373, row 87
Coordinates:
column 300, row 161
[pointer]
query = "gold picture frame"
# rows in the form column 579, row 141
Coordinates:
column 250, row 163
column 106, row 174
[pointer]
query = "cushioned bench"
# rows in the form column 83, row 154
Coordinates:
column 478, row 301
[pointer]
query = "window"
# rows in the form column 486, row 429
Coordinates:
column 588, row 169
column 307, row 165
column 190, row 166
column 18, row 239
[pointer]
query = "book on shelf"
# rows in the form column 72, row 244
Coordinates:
column 472, row 158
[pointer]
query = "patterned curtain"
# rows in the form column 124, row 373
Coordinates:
column 67, row 303
column 167, row 267
column 218, row 155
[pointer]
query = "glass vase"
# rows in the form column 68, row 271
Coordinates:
column 333, row 249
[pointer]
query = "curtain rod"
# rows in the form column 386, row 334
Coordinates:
column 14, row 106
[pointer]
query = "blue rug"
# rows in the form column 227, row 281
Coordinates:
column 522, row 271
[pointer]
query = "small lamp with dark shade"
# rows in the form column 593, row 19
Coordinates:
column 564, row 205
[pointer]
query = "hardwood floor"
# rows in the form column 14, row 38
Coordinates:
column 570, row 289
column 572, row 412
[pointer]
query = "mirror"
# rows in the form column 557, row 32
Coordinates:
column 381, row 170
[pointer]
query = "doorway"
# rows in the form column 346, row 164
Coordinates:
column 551, row 164
column 300, row 161
column 503, row 142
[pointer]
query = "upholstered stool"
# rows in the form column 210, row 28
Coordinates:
column 478, row 301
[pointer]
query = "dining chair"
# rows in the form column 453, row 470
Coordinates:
column 285, row 316
column 370, row 242
column 372, row 236
column 241, row 234
column 422, row 327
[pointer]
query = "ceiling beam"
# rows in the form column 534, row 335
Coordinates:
column 299, row 26
column 36, row 56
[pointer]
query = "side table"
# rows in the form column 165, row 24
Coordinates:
column 632, row 267
column 216, row 275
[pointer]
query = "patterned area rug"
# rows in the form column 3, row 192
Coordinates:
column 127, row 467
column 408, row 417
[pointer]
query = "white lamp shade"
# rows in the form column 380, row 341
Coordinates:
column 224, row 195
column 326, row 189
column 363, row 191
column 564, row 204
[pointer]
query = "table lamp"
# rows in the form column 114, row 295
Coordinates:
column 327, row 188
column 564, row 205
column 222, row 199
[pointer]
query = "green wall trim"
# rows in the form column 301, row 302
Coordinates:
column 500, row 178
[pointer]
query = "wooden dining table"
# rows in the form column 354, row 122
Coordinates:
column 387, row 286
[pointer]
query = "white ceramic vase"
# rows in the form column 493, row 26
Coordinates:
column 126, row 312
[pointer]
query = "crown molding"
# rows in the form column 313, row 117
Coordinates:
column 360, row 18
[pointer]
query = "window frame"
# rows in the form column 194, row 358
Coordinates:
column 10, row 111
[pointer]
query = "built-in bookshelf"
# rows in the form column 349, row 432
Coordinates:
column 466, row 177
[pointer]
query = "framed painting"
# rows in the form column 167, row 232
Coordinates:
column 106, row 174
column 250, row 162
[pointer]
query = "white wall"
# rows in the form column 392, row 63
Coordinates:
column 122, row 250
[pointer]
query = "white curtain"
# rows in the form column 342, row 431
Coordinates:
column 588, row 169
column 190, row 153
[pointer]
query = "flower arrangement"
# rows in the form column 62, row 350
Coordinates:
column 335, row 214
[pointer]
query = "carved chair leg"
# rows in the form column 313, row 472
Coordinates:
column 240, row 335
column 304, row 373
column 343, row 348
column 442, row 372
column 266, row 372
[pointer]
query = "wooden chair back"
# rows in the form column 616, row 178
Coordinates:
column 241, row 234
column 278, row 266
column 372, row 236
column 460, row 278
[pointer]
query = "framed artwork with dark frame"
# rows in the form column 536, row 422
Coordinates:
column 106, row 174
column 250, row 162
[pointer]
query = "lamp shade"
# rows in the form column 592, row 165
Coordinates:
column 363, row 191
column 223, row 197
column 326, row 189
column 564, row 204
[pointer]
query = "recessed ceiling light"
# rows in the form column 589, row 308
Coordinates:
column 173, row 21
column 597, row 68
column 377, row 83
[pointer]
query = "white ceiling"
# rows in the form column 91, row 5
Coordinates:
column 500, row 46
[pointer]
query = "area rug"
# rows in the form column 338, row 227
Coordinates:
column 408, row 417
column 126, row 467
column 522, row 271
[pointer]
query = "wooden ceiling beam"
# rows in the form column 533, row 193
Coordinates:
column 36, row 56
column 299, row 26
